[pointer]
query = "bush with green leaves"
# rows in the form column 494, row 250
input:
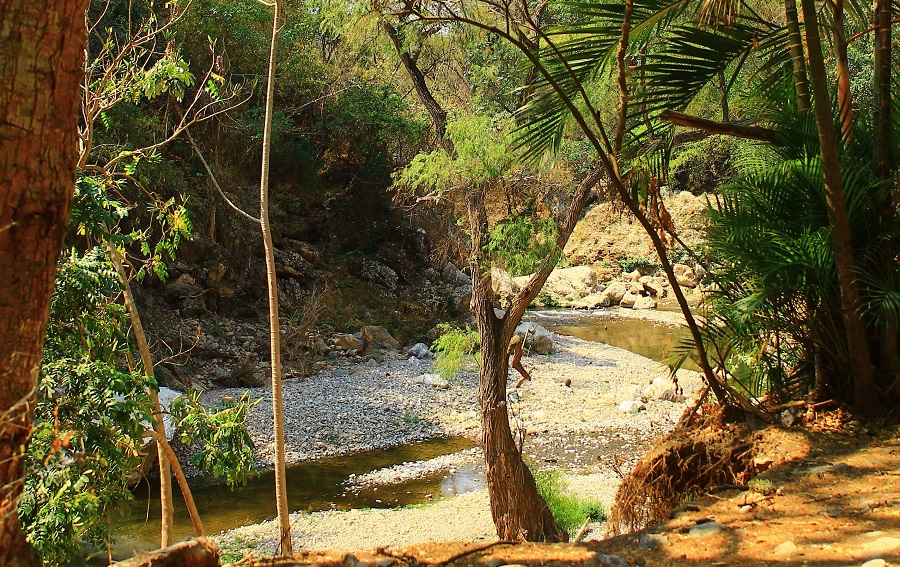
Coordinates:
column 91, row 414
column 569, row 510
column 454, row 349
column 521, row 243
column 88, row 422
column 640, row 264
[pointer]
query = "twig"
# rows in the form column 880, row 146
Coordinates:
column 476, row 549
column 582, row 531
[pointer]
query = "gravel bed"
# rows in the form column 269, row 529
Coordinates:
column 415, row 470
column 579, row 429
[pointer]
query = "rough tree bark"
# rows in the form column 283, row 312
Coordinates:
column 284, row 524
column 866, row 395
column 41, row 61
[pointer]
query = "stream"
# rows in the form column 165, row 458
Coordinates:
column 320, row 485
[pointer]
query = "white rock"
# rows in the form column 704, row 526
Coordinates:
column 539, row 339
column 432, row 380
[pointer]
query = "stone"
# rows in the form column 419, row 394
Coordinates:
column 705, row 529
column 494, row 562
column 882, row 545
column 420, row 351
column 593, row 301
column 616, row 291
column 503, row 285
column 685, row 276
column 609, row 560
column 376, row 337
column 454, row 276
column 345, row 341
column 386, row 562
column 341, row 373
column 350, row 560
column 629, row 299
column 632, row 276
column 460, row 298
column 538, row 339
column 432, row 380
column 575, row 282
column 786, row 548
column 629, row 406
column 653, row 541
column 183, row 287
column 875, row 563
column 644, row 303
column 656, row 289
column 376, row 272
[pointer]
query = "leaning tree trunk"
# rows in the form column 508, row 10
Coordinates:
column 41, row 62
column 284, row 523
column 865, row 390
column 798, row 62
column 518, row 510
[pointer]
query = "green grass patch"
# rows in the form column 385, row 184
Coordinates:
column 569, row 510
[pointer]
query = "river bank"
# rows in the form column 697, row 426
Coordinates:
column 596, row 428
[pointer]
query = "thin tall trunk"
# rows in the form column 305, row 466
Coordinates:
column 865, row 390
column 623, row 77
column 40, row 70
column 519, row 512
column 723, row 92
column 284, row 524
column 842, row 68
column 883, row 139
column 798, row 61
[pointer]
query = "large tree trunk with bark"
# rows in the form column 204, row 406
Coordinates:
column 518, row 510
column 41, row 62
column 866, row 395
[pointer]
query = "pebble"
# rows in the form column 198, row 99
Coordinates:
column 706, row 529
column 608, row 560
column 786, row 548
column 875, row 563
column 653, row 541
column 882, row 545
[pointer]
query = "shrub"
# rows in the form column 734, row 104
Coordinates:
column 454, row 349
column 569, row 510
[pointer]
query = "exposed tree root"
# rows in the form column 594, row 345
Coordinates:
column 713, row 451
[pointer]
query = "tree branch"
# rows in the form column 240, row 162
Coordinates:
column 734, row 129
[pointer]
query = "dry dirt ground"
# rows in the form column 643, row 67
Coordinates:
column 831, row 497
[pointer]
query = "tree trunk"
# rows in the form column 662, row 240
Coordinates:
column 284, row 525
column 519, row 512
column 435, row 110
column 865, row 390
column 842, row 68
column 199, row 552
column 40, row 70
column 883, row 158
column 798, row 62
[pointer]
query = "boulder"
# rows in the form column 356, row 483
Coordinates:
column 629, row 299
column 432, row 380
column 571, row 283
column 376, row 337
column 346, row 341
column 593, row 301
column 504, row 286
column 376, row 272
column 420, row 351
column 632, row 276
column 454, row 276
column 685, row 276
column 539, row 339
column 616, row 291
column 183, row 287
column 644, row 303
column 459, row 299
column 629, row 406
column 655, row 288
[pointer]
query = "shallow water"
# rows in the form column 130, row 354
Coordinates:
column 655, row 341
column 313, row 486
